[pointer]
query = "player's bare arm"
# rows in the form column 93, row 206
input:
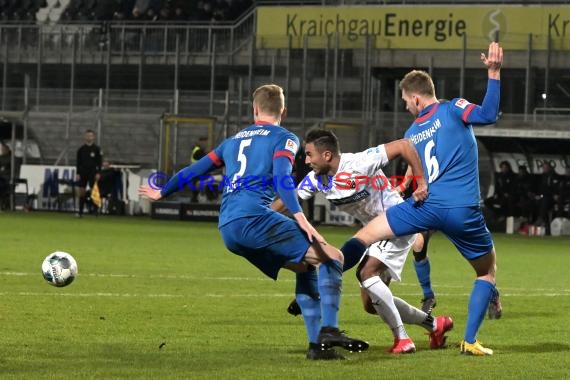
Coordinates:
column 493, row 60
column 407, row 180
column 406, row 149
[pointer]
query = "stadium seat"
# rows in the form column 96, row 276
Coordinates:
column 22, row 199
column 560, row 226
column 8, row 9
column 27, row 10
column 65, row 193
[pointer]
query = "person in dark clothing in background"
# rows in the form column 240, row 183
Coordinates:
column 5, row 172
column 198, row 151
column 563, row 209
column 525, row 195
column 111, row 188
column 503, row 200
column 547, row 188
column 110, row 182
column 89, row 159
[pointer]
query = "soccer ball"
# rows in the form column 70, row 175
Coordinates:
column 59, row 269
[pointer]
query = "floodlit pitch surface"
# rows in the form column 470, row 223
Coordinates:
column 159, row 299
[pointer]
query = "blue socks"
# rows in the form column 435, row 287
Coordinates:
column 330, row 283
column 478, row 303
column 352, row 250
column 307, row 296
column 423, row 270
column 495, row 295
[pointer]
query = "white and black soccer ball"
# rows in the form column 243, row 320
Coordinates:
column 59, row 269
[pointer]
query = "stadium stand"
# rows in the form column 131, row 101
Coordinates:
column 117, row 64
column 21, row 11
column 150, row 10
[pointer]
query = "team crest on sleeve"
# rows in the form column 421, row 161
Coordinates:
column 291, row 146
column 461, row 103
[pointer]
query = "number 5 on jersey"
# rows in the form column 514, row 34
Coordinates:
column 242, row 159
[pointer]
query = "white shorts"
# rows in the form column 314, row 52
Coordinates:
column 392, row 253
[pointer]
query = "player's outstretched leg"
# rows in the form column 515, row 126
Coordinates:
column 308, row 301
column 383, row 302
column 307, row 296
column 495, row 310
column 330, row 282
column 352, row 251
column 478, row 303
column 474, row 349
column 436, row 327
column 481, row 294
column 423, row 270
column 316, row 352
column 333, row 337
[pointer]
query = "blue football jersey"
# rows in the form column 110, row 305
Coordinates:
column 249, row 186
column 448, row 150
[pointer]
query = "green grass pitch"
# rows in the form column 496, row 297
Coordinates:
column 158, row 299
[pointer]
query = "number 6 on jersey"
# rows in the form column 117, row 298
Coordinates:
column 432, row 165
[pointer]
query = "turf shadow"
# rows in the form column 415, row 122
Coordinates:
column 539, row 347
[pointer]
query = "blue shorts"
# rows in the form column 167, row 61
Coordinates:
column 268, row 241
column 464, row 226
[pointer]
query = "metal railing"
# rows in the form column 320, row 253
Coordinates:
column 551, row 114
column 323, row 78
column 54, row 42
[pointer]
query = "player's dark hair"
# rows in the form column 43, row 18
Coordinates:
column 89, row 131
column 419, row 82
column 323, row 140
column 270, row 99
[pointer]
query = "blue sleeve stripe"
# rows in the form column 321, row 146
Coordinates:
column 284, row 153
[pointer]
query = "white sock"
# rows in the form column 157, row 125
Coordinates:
column 413, row 315
column 383, row 303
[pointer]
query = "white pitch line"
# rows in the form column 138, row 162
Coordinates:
column 538, row 291
column 397, row 295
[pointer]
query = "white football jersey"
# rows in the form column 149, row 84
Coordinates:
column 359, row 187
